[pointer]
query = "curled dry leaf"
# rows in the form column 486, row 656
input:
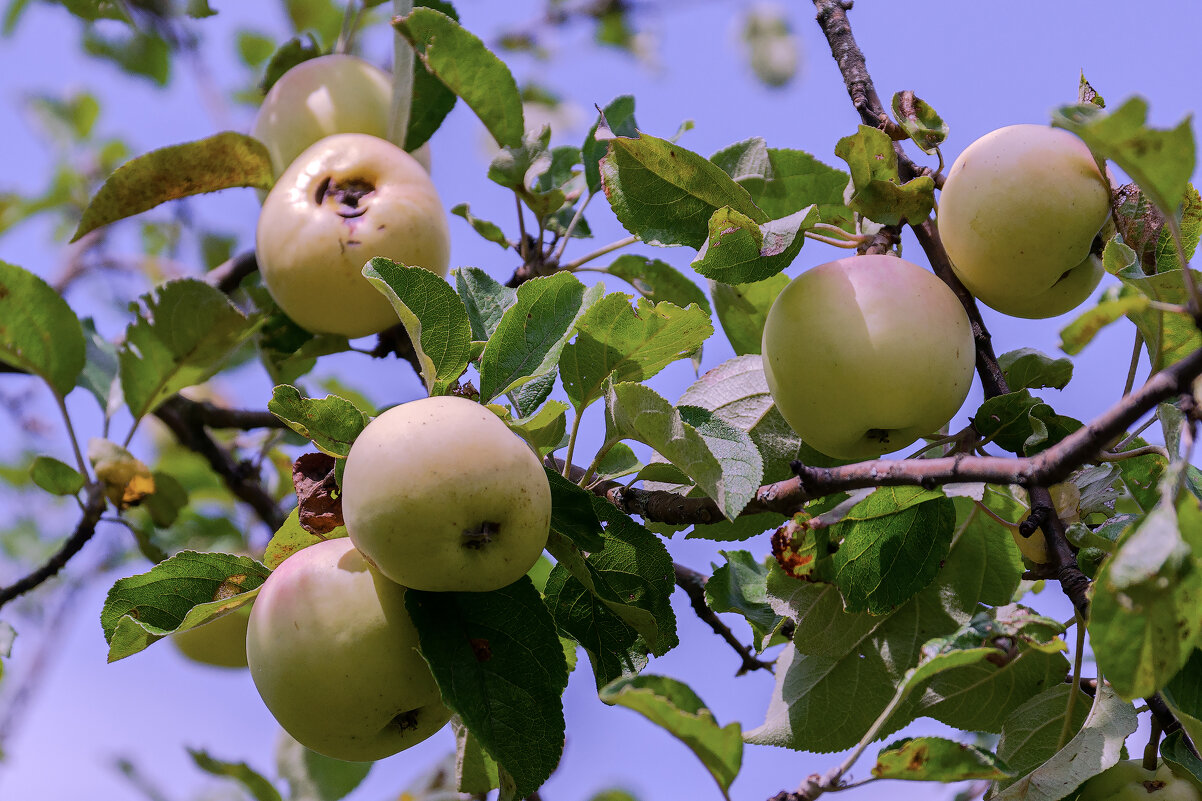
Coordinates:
column 318, row 499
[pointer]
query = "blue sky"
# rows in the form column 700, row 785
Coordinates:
column 981, row 65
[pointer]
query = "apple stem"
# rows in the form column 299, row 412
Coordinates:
column 402, row 79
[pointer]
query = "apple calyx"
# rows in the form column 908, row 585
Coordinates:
column 477, row 538
column 346, row 195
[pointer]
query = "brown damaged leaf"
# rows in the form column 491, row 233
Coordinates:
column 127, row 480
column 318, row 499
column 223, row 161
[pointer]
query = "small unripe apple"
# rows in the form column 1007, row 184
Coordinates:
column 1018, row 215
column 334, row 655
column 220, row 642
column 440, row 495
column 866, row 354
column 344, row 201
column 1130, row 781
column 321, row 97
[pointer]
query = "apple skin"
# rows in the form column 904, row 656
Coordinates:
column 334, row 656
column 865, row 354
column 342, row 202
column 1129, row 781
column 423, row 480
column 321, row 97
column 1018, row 215
column 220, row 642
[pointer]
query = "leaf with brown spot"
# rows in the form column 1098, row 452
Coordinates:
column 223, row 161
column 937, row 759
column 317, row 495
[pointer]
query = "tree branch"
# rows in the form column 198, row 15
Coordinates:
column 92, row 510
column 693, row 583
column 215, row 416
column 183, row 419
column 228, row 275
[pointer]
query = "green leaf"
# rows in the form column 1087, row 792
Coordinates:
column 332, row 423
column 1168, row 337
column 1031, row 731
column 658, row 281
column 184, row 332
column 616, row 602
column 99, row 375
column 877, row 189
column 469, row 69
column 937, row 759
column 619, row 461
column 1097, row 746
column 665, row 194
column 1022, row 424
column 618, row 118
column 1183, row 694
column 1181, row 759
column 894, row 542
column 1027, row 368
column 250, row 780
column 178, row 594
column 134, row 51
column 782, row 182
column 1190, row 226
column 476, row 771
column 743, row 309
column 500, row 667
column 292, row 537
column 1112, row 306
column 533, row 331
column 1159, row 160
column 741, row 586
column 55, row 477
column 489, row 230
column 314, row 777
column 296, row 50
column 222, row 161
column 485, row 299
column 835, row 654
column 722, row 464
column 38, row 331
column 739, row 251
column 544, row 430
column 673, row 706
column 1143, row 623
column 431, row 100
column 433, row 316
column 921, row 123
column 624, row 343
column 572, row 513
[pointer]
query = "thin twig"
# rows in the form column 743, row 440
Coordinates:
column 693, row 583
column 599, row 252
column 93, row 509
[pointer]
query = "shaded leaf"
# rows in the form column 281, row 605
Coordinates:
column 937, row 759
column 658, row 281
column 743, row 309
column 500, row 667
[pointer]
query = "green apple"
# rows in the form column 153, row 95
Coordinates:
column 1018, row 216
column 342, row 202
column 321, row 97
column 334, row 656
column 440, row 495
column 1130, row 781
column 866, row 354
column 220, row 642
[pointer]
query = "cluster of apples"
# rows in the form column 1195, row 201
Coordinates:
column 866, row 354
column 438, row 494
column 343, row 195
